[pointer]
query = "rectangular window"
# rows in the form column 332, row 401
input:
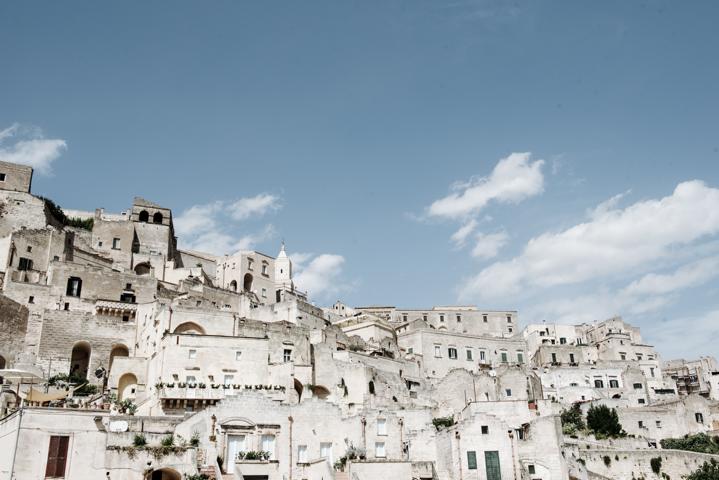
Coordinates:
column 637, row 386
column 699, row 417
column 238, row 355
column 268, row 445
column 264, row 293
column 531, row 470
column 471, row 460
column 623, row 355
column 613, row 383
column 470, row 354
column 229, row 379
column 520, row 357
column 287, row 355
column 410, row 350
column 24, row 264
column 562, row 340
column 484, row 318
column 192, row 354
column 491, row 462
column 424, row 317
column 651, row 372
column 452, row 353
column 190, row 379
column 116, row 244
column 250, row 265
column 459, row 318
column 437, row 351
column 659, row 424
column 235, row 445
column 301, row 453
column 2, row 177
column 482, row 355
column 441, row 318
column 404, row 317
column 554, row 358
column 640, row 424
column 508, row 391
column 264, row 269
column 509, row 319
column 31, row 299
column 504, row 357
column 571, row 358
column 598, row 384
column 379, row 450
column 641, row 401
column 326, row 451
column 639, row 357
column 485, row 429
column 381, row 426
column 57, row 456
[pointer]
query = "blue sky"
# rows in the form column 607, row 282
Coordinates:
column 341, row 126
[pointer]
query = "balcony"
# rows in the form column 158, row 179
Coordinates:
column 115, row 308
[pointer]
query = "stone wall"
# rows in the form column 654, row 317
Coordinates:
column 13, row 325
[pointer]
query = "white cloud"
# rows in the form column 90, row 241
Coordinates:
column 698, row 335
column 613, row 241
column 197, row 219
column 320, row 276
column 30, row 148
column 513, row 179
column 256, row 206
column 248, row 242
column 690, row 275
column 460, row 236
column 488, row 246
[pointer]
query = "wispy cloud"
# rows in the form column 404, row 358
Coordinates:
column 320, row 274
column 613, row 241
column 26, row 145
column 488, row 246
column 514, row 178
column 210, row 227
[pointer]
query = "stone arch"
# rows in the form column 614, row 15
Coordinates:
column 233, row 285
column 320, row 392
column 119, row 350
column 143, row 268
column 127, row 387
column 80, row 359
column 247, row 282
column 164, row 474
column 189, row 327
column 157, row 218
column 144, row 216
column 298, row 388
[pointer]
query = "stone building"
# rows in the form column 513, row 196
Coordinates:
column 123, row 356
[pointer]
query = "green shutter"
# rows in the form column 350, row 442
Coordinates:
column 472, row 460
column 491, row 461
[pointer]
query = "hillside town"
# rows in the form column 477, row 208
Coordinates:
column 124, row 357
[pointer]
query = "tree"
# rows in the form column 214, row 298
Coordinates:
column 572, row 419
column 604, row 421
column 708, row 471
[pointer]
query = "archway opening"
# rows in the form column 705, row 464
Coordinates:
column 247, row 283
column 165, row 474
column 118, row 351
column 320, row 392
column 190, row 327
column 144, row 216
column 298, row 388
column 80, row 360
column 233, row 285
column 142, row 268
column 127, row 387
column 157, row 217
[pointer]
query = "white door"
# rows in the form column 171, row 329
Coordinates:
column 268, row 445
column 326, row 451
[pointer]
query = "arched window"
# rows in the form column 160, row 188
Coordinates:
column 233, row 285
column 157, row 217
column 80, row 360
column 190, row 327
column 298, row 388
column 118, row 351
column 247, row 283
column 142, row 268
column 320, row 392
column 127, row 387
column 144, row 216
column 74, row 287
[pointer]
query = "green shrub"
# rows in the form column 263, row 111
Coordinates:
column 168, row 441
column 604, row 422
column 195, row 439
column 708, row 471
column 656, row 463
column 572, row 419
column 701, row 442
column 139, row 440
column 440, row 422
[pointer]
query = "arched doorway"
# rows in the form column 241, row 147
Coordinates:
column 80, row 360
column 142, row 268
column 144, row 216
column 164, row 474
column 157, row 218
column 247, row 283
column 127, row 387
column 190, row 327
column 320, row 392
column 118, row 351
column 298, row 388
column 233, row 285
